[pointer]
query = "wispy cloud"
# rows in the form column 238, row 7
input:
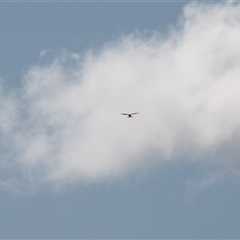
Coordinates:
column 64, row 125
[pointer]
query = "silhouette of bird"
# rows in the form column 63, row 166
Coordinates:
column 129, row 115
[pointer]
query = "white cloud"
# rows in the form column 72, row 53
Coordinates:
column 64, row 124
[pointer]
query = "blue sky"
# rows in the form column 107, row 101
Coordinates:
column 72, row 167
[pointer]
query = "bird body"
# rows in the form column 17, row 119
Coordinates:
column 129, row 115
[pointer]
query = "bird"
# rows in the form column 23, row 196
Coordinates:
column 129, row 115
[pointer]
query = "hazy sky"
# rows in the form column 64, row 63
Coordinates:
column 72, row 167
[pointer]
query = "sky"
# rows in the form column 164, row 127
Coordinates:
column 72, row 167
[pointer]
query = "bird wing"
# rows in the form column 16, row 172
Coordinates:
column 134, row 113
column 124, row 113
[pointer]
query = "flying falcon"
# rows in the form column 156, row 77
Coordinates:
column 129, row 115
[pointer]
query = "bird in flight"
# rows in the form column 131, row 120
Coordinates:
column 129, row 115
